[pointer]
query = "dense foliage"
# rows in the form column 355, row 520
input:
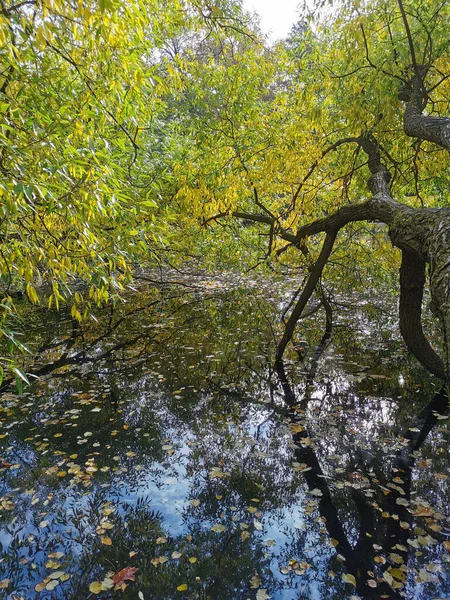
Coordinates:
column 131, row 132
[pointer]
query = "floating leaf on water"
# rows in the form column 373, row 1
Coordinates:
column 95, row 587
column 39, row 587
column 106, row 540
column 258, row 526
column 183, row 587
column 56, row 575
column 126, row 574
column 107, row 584
column 51, row 585
column 396, row 558
column 348, row 578
column 216, row 473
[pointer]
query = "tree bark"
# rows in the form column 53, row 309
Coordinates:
column 412, row 282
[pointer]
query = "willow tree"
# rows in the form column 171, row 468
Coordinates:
column 80, row 84
column 126, row 125
column 345, row 124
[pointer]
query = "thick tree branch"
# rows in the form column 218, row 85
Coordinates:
column 412, row 281
column 424, row 127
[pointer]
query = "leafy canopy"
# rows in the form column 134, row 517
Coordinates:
column 129, row 130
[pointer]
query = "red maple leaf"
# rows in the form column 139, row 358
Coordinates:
column 126, row 574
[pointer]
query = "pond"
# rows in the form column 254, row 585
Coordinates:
column 160, row 455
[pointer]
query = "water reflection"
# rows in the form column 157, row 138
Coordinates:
column 159, row 438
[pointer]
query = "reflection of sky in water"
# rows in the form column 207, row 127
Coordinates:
column 248, row 439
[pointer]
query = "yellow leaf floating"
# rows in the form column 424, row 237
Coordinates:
column 95, row 587
column 183, row 587
column 348, row 578
column 106, row 540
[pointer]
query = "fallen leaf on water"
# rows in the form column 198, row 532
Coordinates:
column 107, row 584
column 183, row 587
column 126, row 574
column 402, row 502
column 56, row 575
column 396, row 558
column 51, row 585
column 258, row 526
column 215, row 472
column 106, row 540
column 348, row 578
column 95, row 587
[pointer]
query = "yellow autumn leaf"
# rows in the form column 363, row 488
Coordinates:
column 106, row 540
column 348, row 578
column 95, row 587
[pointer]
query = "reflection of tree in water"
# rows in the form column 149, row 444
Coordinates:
column 191, row 373
column 214, row 566
column 224, row 564
column 384, row 515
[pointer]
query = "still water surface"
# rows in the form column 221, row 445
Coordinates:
column 159, row 437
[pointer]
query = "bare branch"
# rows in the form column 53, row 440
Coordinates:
column 306, row 294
